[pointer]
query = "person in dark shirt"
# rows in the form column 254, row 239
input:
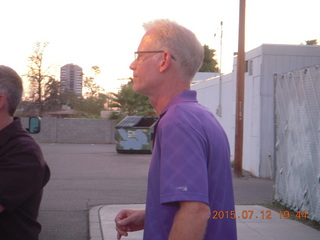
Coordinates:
column 23, row 170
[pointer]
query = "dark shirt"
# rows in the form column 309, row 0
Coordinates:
column 23, row 174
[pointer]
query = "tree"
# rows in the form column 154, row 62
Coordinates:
column 92, row 105
column 209, row 63
column 70, row 99
column 41, row 83
column 91, row 88
column 94, row 99
column 52, row 98
column 129, row 103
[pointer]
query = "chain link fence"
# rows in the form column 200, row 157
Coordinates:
column 297, row 149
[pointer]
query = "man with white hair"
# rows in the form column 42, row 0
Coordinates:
column 190, row 172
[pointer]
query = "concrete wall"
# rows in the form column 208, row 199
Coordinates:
column 74, row 130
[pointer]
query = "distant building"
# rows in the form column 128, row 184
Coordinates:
column 71, row 79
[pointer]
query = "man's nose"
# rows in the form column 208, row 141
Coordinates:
column 133, row 65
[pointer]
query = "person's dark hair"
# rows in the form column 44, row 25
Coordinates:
column 11, row 86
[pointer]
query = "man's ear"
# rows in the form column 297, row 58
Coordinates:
column 3, row 101
column 165, row 61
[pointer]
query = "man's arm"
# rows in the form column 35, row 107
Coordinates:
column 190, row 221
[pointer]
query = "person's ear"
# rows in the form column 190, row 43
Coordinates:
column 3, row 101
column 165, row 61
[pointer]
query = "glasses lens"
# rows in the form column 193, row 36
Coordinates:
column 138, row 54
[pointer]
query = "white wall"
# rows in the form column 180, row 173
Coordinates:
column 208, row 95
column 258, row 139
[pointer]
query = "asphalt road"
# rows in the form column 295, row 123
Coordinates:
column 87, row 175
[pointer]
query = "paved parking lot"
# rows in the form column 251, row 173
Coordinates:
column 88, row 175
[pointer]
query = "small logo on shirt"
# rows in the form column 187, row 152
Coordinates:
column 182, row 188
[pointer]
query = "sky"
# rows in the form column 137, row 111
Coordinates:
column 105, row 33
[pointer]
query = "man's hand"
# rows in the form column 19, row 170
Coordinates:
column 128, row 220
column 1, row 208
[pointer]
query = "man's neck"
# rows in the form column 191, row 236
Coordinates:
column 5, row 121
column 170, row 87
column 160, row 102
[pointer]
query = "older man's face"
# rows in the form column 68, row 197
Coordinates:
column 145, row 67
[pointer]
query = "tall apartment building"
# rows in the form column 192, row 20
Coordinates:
column 71, row 79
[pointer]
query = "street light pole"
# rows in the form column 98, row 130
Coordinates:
column 240, row 92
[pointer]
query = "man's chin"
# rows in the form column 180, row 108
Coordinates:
column 138, row 90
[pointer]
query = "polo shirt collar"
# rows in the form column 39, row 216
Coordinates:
column 186, row 96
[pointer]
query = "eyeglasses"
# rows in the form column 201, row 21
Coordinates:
column 138, row 54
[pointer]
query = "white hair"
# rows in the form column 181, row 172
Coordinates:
column 181, row 42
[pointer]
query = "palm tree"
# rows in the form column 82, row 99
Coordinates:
column 129, row 103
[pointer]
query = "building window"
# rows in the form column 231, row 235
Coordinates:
column 249, row 67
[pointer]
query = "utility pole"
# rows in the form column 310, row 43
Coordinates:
column 219, row 109
column 240, row 92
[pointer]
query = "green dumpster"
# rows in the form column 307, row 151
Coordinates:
column 134, row 134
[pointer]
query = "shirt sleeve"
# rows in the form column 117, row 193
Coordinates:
column 183, row 171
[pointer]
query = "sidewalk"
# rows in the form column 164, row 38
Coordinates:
column 253, row 223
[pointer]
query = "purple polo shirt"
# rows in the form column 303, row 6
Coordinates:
column 190, row 162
